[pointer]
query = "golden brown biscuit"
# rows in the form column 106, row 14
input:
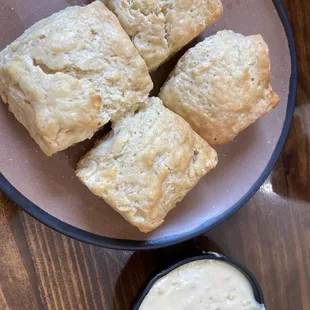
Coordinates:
column 147, row 165
column 160, row 28
column 71, row 73
column 221, row 86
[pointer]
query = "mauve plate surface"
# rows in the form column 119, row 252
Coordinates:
column 50, row 183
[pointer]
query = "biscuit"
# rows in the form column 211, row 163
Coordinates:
column 160, row 28
column 221, row 86
column 70, row 74
column 147, row 164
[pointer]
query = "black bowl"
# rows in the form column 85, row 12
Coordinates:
column 258, row 293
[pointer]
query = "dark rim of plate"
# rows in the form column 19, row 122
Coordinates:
column 258, row 293
column 122, row 244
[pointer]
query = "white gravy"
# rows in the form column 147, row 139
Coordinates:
column 202, row 285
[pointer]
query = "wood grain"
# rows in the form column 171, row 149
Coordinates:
column 41, row 269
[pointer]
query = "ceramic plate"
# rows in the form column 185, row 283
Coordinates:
column 47, row 188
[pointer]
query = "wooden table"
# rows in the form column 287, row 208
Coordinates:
column 41, row 269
